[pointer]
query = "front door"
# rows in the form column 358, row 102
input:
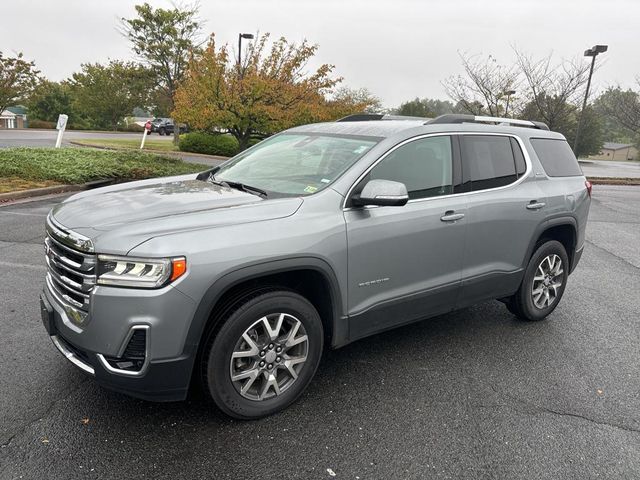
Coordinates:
column 405, row 262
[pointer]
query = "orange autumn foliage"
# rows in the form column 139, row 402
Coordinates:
column 269, row 92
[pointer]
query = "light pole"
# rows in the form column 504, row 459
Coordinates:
column 593, row 53
column 247, row 36
column 508, row 93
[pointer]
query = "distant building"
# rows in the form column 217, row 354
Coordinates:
column 14, row 117
column 616, row 151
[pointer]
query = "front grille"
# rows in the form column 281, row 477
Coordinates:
column 71, row 273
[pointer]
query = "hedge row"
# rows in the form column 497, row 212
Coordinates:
column 200, row 142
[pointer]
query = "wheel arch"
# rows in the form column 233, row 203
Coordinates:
column 563, row 229
column 287, row 273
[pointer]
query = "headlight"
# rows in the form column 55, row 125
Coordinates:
column 139, row 272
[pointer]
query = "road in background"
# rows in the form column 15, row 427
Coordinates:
column 604, row 168
column 47, row 138
column 472, row 394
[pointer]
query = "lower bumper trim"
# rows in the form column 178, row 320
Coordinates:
column 72, row 357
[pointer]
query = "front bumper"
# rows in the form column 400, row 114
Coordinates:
column 91, row 345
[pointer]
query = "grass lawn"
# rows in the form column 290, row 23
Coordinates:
column 22, row 168
column 132, row 143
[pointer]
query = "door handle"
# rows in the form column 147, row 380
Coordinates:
column 451, row 216
column 535, row 205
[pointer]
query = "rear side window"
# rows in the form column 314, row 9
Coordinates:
column 488, row 161
column 556, row 157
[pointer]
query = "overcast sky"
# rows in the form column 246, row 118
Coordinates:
column 399, row 49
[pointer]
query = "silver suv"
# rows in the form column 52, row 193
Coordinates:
column 325, row 233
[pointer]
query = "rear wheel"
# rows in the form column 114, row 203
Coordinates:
column 543, row 284
column 264, row 355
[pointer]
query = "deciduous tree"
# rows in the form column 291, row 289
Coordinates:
column 18, row 77
column 270, row 91
column 425, row 107
column 555, row 88
column 164, row 39
column 621, row 111
column 50, row 99
column 482, row 90
column 107, row 93
column 346, row 101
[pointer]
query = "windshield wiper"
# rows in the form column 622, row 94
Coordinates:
column 239, row 186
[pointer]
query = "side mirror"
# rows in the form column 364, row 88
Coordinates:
column 383, row 193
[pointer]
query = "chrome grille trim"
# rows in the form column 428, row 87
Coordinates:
column 71, row 271
column 61, row 297
column 74, row 240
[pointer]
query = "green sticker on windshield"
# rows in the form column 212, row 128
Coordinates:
column 311, row 189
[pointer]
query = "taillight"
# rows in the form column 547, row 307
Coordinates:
column 587, row 184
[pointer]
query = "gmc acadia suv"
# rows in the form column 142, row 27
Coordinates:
column 329, row 233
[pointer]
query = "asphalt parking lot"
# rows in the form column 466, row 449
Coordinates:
column 473, row 394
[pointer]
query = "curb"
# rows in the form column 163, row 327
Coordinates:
column 37, row 193
column 614, row 181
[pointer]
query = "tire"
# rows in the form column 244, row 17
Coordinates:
column 269, row 374
column 161, row 132
column 548, row 276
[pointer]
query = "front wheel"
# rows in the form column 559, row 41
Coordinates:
column 543, row 284
column 264, row 355
column 161, row 131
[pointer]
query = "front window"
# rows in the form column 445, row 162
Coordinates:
column 293, row 164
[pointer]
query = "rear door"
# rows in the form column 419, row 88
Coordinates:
column 405, row 262
column 505, row 206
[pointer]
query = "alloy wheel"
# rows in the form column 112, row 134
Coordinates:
column 547, row 281
column 268, row 357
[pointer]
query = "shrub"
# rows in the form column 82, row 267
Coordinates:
column 211, row 144
column 41, row 124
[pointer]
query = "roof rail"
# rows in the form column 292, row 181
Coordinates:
column 363, row 117
column 462, row 118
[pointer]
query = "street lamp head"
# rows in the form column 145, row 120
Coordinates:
column 510, row 92
column 247, row 36
column 595, row 50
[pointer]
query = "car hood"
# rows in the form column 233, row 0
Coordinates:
column 121, row 216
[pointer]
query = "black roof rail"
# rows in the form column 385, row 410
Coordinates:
column 463, row 118
column 363, row 117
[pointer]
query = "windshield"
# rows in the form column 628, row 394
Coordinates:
column 295, row 163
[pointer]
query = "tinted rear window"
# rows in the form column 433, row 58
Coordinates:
column 488, row 161
column 556, row 157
